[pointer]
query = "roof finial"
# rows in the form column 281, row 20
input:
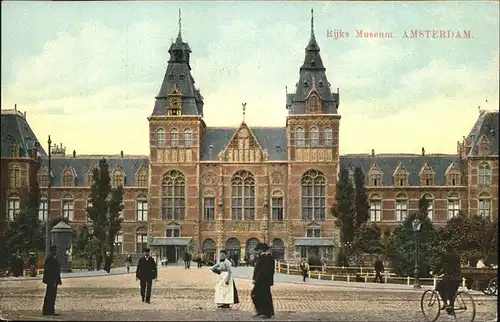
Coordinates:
column 244, row 107
column 312, row 22
column 180, row 27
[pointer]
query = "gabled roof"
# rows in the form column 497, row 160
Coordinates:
column 235, row 137
column 487, row 124
column 15, row 128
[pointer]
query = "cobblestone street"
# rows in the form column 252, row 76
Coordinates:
column 181, row 294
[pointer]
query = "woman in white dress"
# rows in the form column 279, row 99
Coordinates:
column 225, row 288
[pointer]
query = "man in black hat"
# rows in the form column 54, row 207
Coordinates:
column 52, row 278
column 263, row 274
column 146, row 272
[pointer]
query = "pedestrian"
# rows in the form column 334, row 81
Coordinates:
column 226, row 293
column 108, row 262
column 187, row 260
column 146, row 272
column 379, row 268
column 198, row 260
column 32, row 264
column 263, row 278
column 51, row 278
column 304, row 269
column 128, row 262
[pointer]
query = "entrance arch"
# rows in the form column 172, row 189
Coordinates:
column 250, row 246
column 278, row 249
column 208, row 248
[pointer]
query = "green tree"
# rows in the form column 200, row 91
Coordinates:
column 401, row 244
column 114, row 217
column 344, row 209
column 362, row 206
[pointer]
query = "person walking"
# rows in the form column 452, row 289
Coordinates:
column 146, row 272
column 379, row 268
column 128, row 262
column 187, row 260
column 226, row 293
column 51, row 278
column 32, row 264
column 263, row 278
column 304, row 269
column 108, row 261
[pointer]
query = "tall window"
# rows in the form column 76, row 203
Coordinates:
column 300, row 138
column 375, row 179
column 68, row 178
column 328, row 136
column 277, row 208
column 314, row 137
column 188, row 138
column 484, row 206
column 90, row 177
column 375, row 208
column 141, row 242
column 313, row 232
column 453, row 206
column 67, row 207
column 243, row 196
column 484, row 174
column 14, row 176
column 174, row 138
column 142, row 178
column 118, row 178
column 430, row 208
column 401, row 207
column 172, row 232
column 142, row 208
column 209, row 208
column 14, row 150
column 43, row 178
column 160, row 138
column 13, row 205
column 43, row 208
column 313, row 193
column 118, row 245
column 173, row 196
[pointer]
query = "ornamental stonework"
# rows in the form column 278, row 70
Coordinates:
column 276, row 178
column 209, row 178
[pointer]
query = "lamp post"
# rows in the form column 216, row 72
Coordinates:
column 416, row 229
column 49, row 199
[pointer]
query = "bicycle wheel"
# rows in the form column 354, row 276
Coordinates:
column 464, row 307
column 430, row 305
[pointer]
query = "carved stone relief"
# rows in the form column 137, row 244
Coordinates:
column 276, row 178
column 209, row 193
column 209, row 178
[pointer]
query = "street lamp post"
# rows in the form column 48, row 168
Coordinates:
column 49, row 199
column 416, row 229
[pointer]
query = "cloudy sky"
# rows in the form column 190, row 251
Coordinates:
column 87, row 72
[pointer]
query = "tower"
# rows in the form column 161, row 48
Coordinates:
column 175, row 127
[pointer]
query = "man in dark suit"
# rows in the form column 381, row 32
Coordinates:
column 146, row 272
column 263, row 274
column 52, row 278
column 379, row 268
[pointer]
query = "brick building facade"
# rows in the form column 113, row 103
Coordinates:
column 204, row 188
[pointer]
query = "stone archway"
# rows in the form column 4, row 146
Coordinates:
column 209, row 248
column 278, row 249
column 250, row 246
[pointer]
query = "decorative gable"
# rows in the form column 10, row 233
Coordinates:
column 400, row 176
column 43, row 176
column 68, row 178
column 89, row 176
column 142, row 176
column 427, row 175
column 243, row 147
column 484, row 146
column 452, row 175
column 174, row 102
column 118, row 177
column 375, row 176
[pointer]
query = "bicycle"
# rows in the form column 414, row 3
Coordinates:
column 432, row 300
column 492, row 288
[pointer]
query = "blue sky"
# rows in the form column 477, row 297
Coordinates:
column 75, row 65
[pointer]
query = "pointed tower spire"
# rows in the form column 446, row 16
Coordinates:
column 180, row 25
column 312, row 23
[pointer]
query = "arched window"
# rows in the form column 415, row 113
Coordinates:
column 375, row 208
column 430, row 208
column 67, row 207
column 328, row 136
column 401, row 207
column 174, row 137
column 278, row 249
column 160, row 138
column 142, row 178
column 188, row 138
column 313, row 195
column 43, row 208
column 14, row 176
column 173, row 195
column 68, row 178
column 453, row 206
column 314, row 137
column 90, row 177
column 43, row 178
column 209, row 248
column 300, row 139
column 250, row 245
column 233, row 246
column 243, row 196
column 118, row 178
column 484, row 205
column 14, row 150
column 484, row 174
column 141, row 240
column 13, row 206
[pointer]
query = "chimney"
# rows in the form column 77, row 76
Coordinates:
column 373, row 153
column 423, row 151
column 121, row 154
column 15, row 107
column 210, row 148
column 74, row 153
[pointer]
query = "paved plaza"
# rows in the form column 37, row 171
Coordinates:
column 181, row 294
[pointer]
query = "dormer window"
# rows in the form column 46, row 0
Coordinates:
column 306, row 84
column 313, row 105
column 427, row 176
column 171, row 77
column 68, row 178
column 320, row 84
column 182, row 77
column 452, row 175
column 400, row 176
column 14, row 150
column 375, row 176
column 118, row 178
